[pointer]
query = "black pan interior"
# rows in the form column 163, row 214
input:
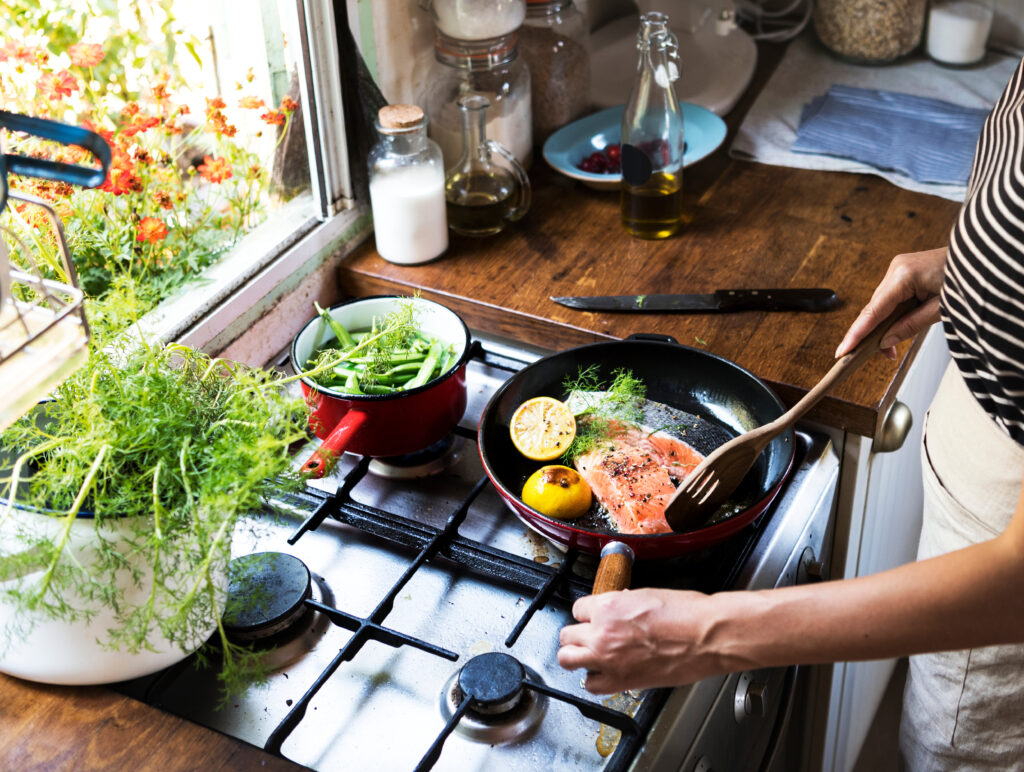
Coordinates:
column 726, row 399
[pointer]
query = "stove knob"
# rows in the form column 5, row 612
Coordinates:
column 751, row 698
column 809, row 570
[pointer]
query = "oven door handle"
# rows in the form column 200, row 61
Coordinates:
column 782, row 719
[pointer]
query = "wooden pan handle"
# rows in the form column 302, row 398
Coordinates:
column 615, row 570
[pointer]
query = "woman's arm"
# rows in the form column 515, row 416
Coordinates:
column 649, row 637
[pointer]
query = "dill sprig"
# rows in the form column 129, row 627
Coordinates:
column 608, row 406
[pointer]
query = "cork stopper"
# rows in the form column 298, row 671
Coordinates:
column 400, row 116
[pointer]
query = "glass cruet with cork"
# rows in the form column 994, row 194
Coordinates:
column 652, row 137
column 407, row 188
column 483, row 196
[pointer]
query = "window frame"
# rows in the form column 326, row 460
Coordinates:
column 297, row 240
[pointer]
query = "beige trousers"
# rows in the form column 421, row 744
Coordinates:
column 964, row 710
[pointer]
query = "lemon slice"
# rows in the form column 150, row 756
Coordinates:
column 557, row 491
column 542, row 428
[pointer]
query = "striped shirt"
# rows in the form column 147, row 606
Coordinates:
column 983, row 289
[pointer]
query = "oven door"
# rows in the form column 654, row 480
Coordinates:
column 755, row 720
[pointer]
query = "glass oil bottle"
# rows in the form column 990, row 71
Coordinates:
column 482, row 196
column 652, row 137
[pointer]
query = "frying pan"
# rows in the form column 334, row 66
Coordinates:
column 720, row 399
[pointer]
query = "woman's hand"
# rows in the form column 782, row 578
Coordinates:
column 915, row 274
column 639, row 639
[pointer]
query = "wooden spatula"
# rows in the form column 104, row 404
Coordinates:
column 711, row 483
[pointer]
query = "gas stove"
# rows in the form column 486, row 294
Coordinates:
column 411, row 622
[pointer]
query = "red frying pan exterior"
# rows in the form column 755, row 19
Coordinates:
column 731, row 399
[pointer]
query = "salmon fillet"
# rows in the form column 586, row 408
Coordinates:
column 632, row 474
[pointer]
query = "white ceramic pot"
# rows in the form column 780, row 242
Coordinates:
column 78, row 652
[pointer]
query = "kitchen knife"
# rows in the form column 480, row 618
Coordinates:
column 720, row 301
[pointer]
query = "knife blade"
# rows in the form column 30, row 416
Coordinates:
column 719, row 301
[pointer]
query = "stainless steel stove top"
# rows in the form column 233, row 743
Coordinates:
column 424, row 574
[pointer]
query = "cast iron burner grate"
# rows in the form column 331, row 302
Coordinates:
column 556, row 585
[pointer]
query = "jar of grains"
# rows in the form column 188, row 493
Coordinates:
column 869, row 31
column 553, row 41
column 491, row 68
column 476, row 19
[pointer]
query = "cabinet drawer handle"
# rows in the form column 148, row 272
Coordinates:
column 895, row 429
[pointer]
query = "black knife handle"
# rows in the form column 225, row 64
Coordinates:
column 776, row 300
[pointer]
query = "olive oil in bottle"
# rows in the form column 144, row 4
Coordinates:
column 480, row 204
column 482, row 197
column 652, row 137
column 653, row 210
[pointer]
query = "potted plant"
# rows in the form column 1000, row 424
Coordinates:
column 118, row 506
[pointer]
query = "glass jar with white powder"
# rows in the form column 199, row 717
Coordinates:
column 958, row 31
column 490, row 68
column 407, row 188
column 476, row 19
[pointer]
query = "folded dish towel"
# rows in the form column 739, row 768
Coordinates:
column 928, row 140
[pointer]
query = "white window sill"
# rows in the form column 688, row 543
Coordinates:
column 286, row 254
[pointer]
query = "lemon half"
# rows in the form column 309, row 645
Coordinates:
column 557, row 491
column 542, row 428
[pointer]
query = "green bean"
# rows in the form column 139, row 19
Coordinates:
column 337, row 327
column 426, row 368
column 351, row 385
column 379, row 388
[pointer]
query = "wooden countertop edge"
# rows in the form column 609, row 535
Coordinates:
column 93, row 728
column 518, row 326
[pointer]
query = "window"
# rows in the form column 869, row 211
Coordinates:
column 238, row 90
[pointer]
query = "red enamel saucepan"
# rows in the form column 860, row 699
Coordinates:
column 385, row 424
column 717, row 398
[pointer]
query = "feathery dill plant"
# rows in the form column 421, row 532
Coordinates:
column 169, row 450
column 608, row 405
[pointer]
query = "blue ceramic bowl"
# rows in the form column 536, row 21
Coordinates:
column 703, row 130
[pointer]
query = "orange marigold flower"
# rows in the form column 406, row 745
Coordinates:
column 215, row 169
column 273, row 117
column 152, row 230
column 214, row 104
column 163, row 199
column 250, row 102
column 289, row 105
column 86, row 54
column 14, row 49
column 221, row 125
column 57, row 85
column 160, row 92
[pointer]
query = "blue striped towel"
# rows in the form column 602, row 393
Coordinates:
column 928, row 140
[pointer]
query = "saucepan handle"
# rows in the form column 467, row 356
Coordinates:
column 332, row 447
column 615, row 571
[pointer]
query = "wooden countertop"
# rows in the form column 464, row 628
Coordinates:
column 751, row 225
column 89, row 729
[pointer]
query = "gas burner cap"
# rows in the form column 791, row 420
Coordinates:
column 430, row 461
column 501, row 708
column 493, row 681
column 266, row 594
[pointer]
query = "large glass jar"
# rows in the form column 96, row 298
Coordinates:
column 493, row 69
column 476, row 19
column 870, row 31
column 407, row 188
column 554, row 42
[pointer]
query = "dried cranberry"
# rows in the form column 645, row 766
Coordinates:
column 614, row 153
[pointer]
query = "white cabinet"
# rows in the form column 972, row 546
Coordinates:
column 877, row 528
